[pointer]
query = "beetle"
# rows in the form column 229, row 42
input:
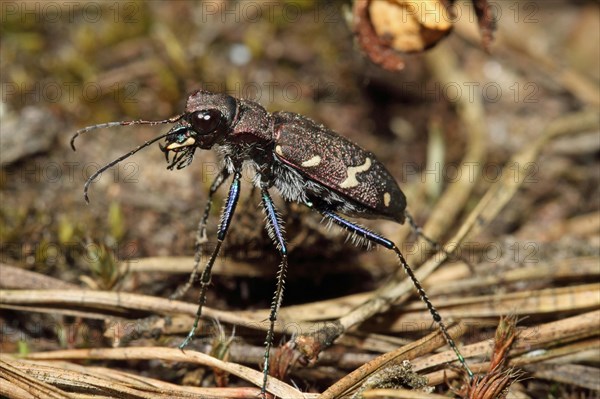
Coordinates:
column 304, row 161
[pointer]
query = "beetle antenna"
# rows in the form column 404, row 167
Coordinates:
column 116, row 161
column 122, row 123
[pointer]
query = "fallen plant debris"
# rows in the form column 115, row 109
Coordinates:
column 386, row 29
column 495, row 383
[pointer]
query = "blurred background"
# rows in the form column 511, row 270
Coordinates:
column 65, row 65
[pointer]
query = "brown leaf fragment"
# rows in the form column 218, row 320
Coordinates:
column 410, row 26
column 376, row 48
column 385, row 29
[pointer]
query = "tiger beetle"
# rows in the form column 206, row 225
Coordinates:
column 306, row 162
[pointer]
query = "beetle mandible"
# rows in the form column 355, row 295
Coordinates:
column 303, row 160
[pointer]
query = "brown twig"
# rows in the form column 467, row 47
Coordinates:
column 407, row 352
column 530, row 345
column 172, row 355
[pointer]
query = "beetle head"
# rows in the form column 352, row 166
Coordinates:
column 206, row 122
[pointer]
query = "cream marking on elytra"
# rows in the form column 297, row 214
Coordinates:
column 278, row 150
column 314, row 161
column 386, row 199
column 352, row 171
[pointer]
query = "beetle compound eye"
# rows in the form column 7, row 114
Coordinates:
column 204, row 122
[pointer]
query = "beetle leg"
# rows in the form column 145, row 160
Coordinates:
column 275, row 229
column 226, row 216
column 378, row 239
column 219, row 180
column 201, row 234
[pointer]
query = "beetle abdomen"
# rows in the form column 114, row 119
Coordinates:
column 338, row 164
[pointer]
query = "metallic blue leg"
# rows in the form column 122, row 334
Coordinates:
column 275, row 230
column 228, row 211
column 218, row 182
column 201, row 233
column 377, row 239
